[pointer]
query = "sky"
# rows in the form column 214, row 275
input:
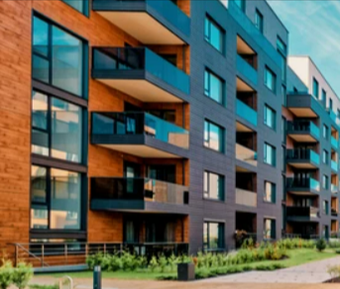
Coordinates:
column 314, row 30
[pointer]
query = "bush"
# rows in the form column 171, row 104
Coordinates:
column 22, row 275
column 321, row 244
column 334, row 271
column 6, row 275
column 334, row 244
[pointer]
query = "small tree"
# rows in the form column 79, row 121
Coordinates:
column 22, row 275
column 321, row 244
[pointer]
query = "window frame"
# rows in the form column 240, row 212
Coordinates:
column 265, row 154
column 267, row 109
column 316, row 88
column 221, row 136
column 207, row 91
column 274, row 79
column 243, row 5
column 85, row 56
column 221, row 230
column 221, row 186
column 325, row 182
column 273, row 192
column 86, row 7
column 259, row 21
column 208, row 22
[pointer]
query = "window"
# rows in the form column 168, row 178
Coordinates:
column 81, row 5
column 259, row 21
column 284, row 95
column 270, row 79
column 58, row 57
column 269, row 229
column 283, row 158
column 284, row 130
column 241, row 4
column 269, row 155
column 269, row 192
column 56, row 199
column 325, row 182
column 325, row 131
column 325, row 157
column 213, row 186
column 214, row 34
column 325, row 207
column 56, row 128
column 315, row 88
column 214, row 87
column 330, row 104
column 269, row 117
column 282, row 49
column 213, row 136
column 324, row 97
column 213, row 236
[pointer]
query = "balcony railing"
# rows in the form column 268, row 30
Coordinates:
column 334, row 143
column 246, row 155
column 303, row 183
column 139, row 189
column 246, row 112
column 246, row 198
column 109, row 124
column 246, row 69
column 303, row 127
column 303, row 212
column 303, row 155
column 334, row 166
column 334, row 212
column 113, row 61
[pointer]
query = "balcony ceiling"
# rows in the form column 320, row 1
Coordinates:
column 303, row 112
column 143, row 151
column 143, row 27
column 143, row 90
column 243, row 47
column 303, row 138
column 302, row 165
column 242, row 128
column 242, row 86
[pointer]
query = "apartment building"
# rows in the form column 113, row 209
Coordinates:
column 160, row 126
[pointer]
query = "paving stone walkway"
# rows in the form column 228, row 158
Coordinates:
column 315, row 272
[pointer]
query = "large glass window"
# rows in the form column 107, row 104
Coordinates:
column 269, row 155
column 213, row 236
column 270, row 79
column 213, row 136
column 213, row 186
column 56, row 128
column 269, row 228
column 315, row 88
column 269, row 192
column 269, row 117
column 55, row 199
column 259, row 20
column 214, row 34
column 57, row 57
column 214, row 87
column 80, row 5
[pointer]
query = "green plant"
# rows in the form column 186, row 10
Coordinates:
column 22, row 274
column 321, row 244
column 334, row 271
column 6, row 274
column 38, row 286
column 153, row 263
column 334, row 244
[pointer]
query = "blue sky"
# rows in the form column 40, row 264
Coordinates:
column 314, row 29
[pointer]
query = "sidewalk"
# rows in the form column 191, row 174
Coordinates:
column 315, row 272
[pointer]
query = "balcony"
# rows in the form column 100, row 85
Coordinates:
column 246, row 112
column 246, row 155
column 303, row 186
column 246, row 198
column 334, row 143
column 303, row 131
column 156, row 22
column 140, row 134
column 140, row 73
column 138, row 194
column 334, row 166
column 303, row 214
column 246, row 71
column 303, row 159
column 334, row 212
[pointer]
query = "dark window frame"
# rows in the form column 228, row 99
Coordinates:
column 221, row 136
column 86, row 7
column 208, row 20
column 207, row 91
column 259, row 20
column 221, row 186
column 221, row 239
column 273, row 114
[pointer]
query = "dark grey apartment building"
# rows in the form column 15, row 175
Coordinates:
column 160, row 126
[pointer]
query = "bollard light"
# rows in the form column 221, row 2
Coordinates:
column 97, row 278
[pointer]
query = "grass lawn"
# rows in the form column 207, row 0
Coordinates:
column 296, row 257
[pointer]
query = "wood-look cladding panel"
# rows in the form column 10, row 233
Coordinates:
column 107, row 227
column 15, row 102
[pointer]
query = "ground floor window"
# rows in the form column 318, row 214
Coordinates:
column 269, row 227
column 55, row 199
column 213, row 236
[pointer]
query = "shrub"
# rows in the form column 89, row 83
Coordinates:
column 6, row 275
column 321, row 244
column 22, row 275
column 153, row 264
column 334, row 271
column 337, row 251
column 38, row 286
column 334, row 244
